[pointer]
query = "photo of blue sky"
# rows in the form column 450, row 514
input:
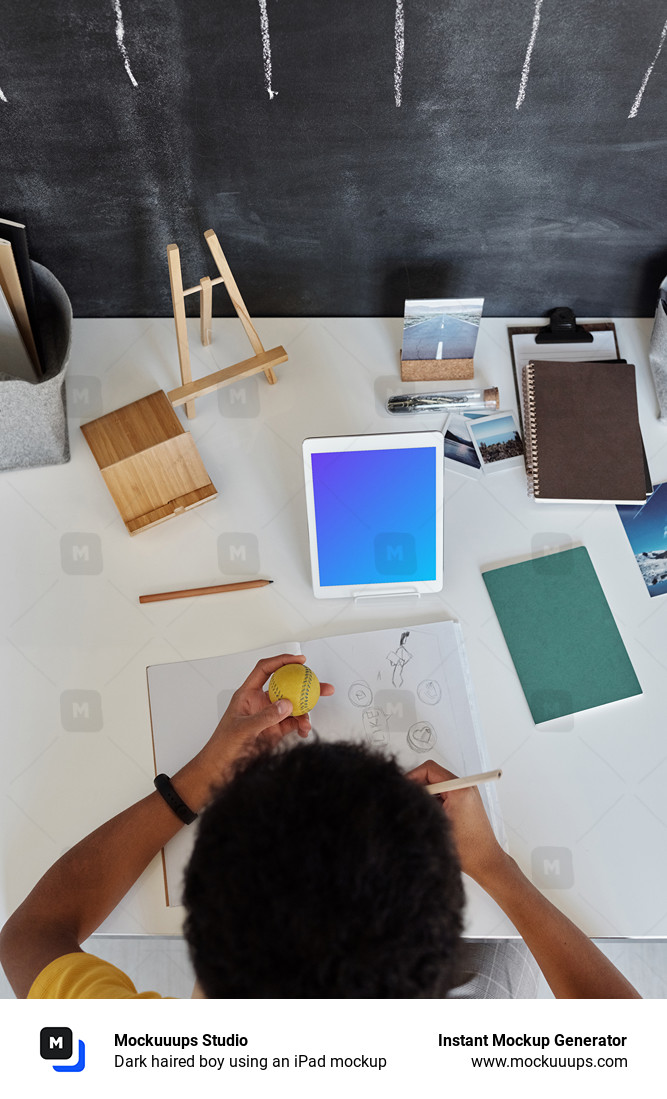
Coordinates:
column 494, row 431
column 646, row 528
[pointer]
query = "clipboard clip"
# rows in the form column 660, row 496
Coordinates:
column 563, row 328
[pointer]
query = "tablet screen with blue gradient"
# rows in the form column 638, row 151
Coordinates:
column 376, row 515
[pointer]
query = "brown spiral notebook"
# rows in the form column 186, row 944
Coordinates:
column 582, row 436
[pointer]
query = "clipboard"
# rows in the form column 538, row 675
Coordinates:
column 561, row 340
column 569, row 333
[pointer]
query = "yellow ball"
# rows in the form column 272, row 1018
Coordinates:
column 297, row 683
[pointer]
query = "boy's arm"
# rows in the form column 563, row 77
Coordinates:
column 80, row 890
column 572, row 965
column 86, row 884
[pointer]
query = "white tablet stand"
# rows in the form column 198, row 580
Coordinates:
column 362, row 598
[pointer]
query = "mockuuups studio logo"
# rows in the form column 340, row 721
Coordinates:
column 81, row 553
column 81, row 711
column 238, row 553
column 84, row 397
column 56, row 1044
column 240, row 400
column 395, row 553
column 552, row 867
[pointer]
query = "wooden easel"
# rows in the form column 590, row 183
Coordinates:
column 150, row 463
column 261, row 361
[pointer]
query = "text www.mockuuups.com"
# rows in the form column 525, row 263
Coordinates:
column 545, row 1061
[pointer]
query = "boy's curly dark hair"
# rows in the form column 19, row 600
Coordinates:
column 321, row 871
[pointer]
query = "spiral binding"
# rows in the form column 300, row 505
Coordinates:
column 530, row 442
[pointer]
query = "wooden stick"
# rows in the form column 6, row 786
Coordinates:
column 157, row 597
column 462, row 783
column 206, row 310
column 197, row 289
column 243, row 369
column 176, row 281
column 235, row 295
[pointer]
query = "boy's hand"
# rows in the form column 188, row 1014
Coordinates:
column 480, row 854
column 251, row 721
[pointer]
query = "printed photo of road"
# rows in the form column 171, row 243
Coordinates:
column 441, row 328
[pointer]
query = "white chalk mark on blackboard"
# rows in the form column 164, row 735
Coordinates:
column 529, row 53
column 120, row 39
column 399, row 38
column 3, row 97
column 638, row 98
column 266, row 47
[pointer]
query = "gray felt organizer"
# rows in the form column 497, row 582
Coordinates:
column 33, row 420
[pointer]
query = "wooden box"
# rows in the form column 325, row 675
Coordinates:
column 150, row 463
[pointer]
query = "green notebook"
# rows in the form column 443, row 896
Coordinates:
column 561, row 634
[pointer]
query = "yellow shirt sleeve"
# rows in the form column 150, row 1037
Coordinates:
column 82, row 976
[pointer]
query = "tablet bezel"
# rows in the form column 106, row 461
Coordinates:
column 405, row 440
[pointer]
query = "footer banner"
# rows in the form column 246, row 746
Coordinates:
column 330, row 1047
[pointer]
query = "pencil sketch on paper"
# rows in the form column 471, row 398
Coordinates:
column 376, row 727
column 429, row 691
column 398, row 659
column 266, row 48
column 638, row 98
column 360, row 695
column 529, row 53
column 120, row 39
column 186, row 698
column 422, row 737
column 399, row 40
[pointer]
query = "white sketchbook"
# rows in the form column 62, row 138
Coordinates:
column 406, row 691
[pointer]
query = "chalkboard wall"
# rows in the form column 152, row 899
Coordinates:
column 348, row 153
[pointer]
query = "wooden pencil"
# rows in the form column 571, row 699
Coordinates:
column 463, row 782
column 213, row 589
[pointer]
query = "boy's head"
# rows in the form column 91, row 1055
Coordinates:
column 321, row 871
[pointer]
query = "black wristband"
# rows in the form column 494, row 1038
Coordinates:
column 163, row 786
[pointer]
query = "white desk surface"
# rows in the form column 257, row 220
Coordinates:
column 583, row 798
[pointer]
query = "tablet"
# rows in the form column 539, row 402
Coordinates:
column 375, row 513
